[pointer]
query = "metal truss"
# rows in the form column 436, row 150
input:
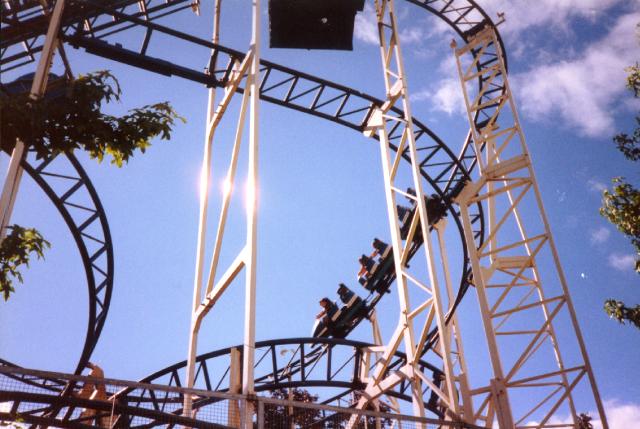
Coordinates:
column 415, row 321
column 521, row 303
column 313, row 362
column 67, row 185
column 73, row 195
column 93, row 22
column 337, row 365
column 246, row 69
column 25, row 403
column 292, row 89
column 306, row 93
column 24, row 23
column 279, row 85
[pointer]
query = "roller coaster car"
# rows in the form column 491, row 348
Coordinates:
column 381, row 275
column 436, row 210
column 343, row 320
column 313, row 24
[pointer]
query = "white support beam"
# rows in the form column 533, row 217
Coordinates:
column 247, row 70
column 426, row 284
column 38, row 88
column 510, row 263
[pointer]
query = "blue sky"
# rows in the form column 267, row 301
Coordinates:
column 321, row 196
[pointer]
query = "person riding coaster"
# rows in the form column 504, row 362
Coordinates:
column 374, row 269
column 436, row 210
column 337, row 322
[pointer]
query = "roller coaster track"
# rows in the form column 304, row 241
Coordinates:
column 67, row 185
column 90, row 23
column 322, row 362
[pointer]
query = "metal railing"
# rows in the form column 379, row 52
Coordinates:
column 53, row 399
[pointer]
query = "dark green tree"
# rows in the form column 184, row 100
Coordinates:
column 584, row 421
column 67, row 118
column 16, row 250
column 621, row 206
column 280, row 416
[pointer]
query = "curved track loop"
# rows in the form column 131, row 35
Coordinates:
column 326, row 363
column 67, row 185
column 24, row 23
column 302, row 92
column 298, row 91
column 292, row 362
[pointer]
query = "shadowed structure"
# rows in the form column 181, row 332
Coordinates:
column 313, row 24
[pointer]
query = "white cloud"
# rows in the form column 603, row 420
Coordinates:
column 596, row 185
column 600, row 235
column 412, row 35
column 522, row 14
column 582, row 93
column 619, row 416
column 446, row 98
column 365, row 27
column 622, row 262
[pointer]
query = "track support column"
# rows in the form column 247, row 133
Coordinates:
column 38, row 87
column 415, row 321
column 247, row 71
column 519, row 301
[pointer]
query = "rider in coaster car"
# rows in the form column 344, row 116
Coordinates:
column 329, row 308
column 380, row 248
column 345, row 293
column 367, row 267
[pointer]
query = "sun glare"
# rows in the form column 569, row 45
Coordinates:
column 226, row 187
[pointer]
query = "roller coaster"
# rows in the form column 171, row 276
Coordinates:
column 329, row 359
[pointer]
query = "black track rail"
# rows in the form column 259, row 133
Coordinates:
column 87, row 28
column 316, row 362
column 24, row 23
column 70, row 190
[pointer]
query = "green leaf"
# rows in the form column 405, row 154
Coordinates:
column 75, row 121
column 15, row 251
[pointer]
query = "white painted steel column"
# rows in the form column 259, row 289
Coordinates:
column 513, row 257
column 38, row 87
column 252, row 218
column 430, row 303
column 205, row 172
column 467, row 403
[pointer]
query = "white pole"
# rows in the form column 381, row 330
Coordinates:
column 38, row 86
column 205, row 172
column 252, row 218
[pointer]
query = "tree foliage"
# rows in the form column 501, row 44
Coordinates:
column 74, row 120
column 285, row 417
column 584, row 421
column 621, row 206
column 66, row 119
column 620, row 312
column 629, row 145
column 633, row 79
column 277, row 416
column 15, row 251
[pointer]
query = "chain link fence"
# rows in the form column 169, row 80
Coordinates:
column 29, row 397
